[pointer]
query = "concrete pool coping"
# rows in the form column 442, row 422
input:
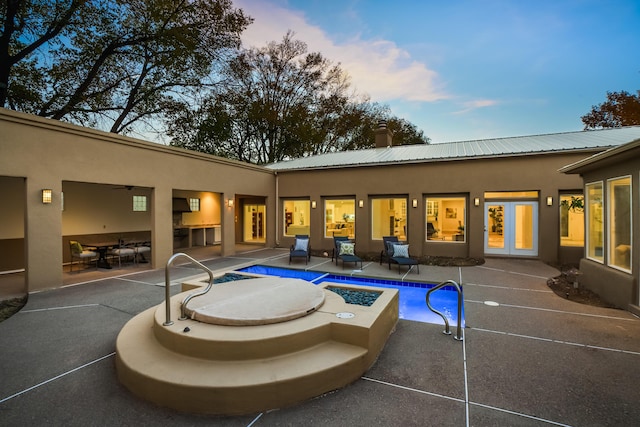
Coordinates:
column 536, row 359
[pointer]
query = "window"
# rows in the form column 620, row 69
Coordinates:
column 388, row 218
column 446, row 218
column 296, row 217
column 571, row 220
column 595, row 230
column 139, row 203
column 619, row 232
column 339, row 217
column 194, row 205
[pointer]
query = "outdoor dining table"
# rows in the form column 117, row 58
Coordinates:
column 102, row 248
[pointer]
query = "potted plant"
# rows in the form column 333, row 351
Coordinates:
column 496, row 219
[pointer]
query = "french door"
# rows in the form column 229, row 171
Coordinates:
column 511, row 228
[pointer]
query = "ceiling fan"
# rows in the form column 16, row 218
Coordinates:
column 124, row 187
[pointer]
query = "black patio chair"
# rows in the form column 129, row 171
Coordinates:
column 397, row 252
column 301, row 248
column 345, row 250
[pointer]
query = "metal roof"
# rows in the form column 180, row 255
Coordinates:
column 497, row 147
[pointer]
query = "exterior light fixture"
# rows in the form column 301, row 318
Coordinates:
column 549, row 201
column 476, row 201
column 313, row 204
column 414, row 203
column 361, row 203
column 47, row 196
column 230, row 203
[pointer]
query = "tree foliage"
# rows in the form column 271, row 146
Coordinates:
column 281, row 102
column 620, row 109
column 111, row 63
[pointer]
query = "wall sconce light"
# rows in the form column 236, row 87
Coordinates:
column 414, row 203
column 47, row 196
column 549, row 201
column 361, row 203
column 313, row 204
column 230, row 203
column 476, row 201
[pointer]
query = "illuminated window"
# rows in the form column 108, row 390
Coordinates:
column 619, row 230
column 388, row 218
column 571, row 220
column 446, row 219
column 194, row 204
column 296, row 217
column 339, row 217
column 139, row 203
column 595, row 229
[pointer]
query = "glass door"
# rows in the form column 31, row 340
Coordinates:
column 254, row 223
column 511, row 228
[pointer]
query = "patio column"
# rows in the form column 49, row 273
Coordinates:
column 43, row 228
column 229, row 218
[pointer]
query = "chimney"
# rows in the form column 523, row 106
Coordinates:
column 384, row 137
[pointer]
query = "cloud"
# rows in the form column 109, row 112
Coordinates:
column 378, row 68
column 476, row 104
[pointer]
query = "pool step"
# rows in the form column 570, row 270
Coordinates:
column 196, row 367
column 232, row 387
column 220, row 342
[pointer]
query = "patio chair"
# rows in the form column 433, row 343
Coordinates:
column 122, row 251
column 77, row 251
column 387, row 250
column 397, row 252
column 140, row 249
column 301, row 248
column 336, row 246
column 345, row 250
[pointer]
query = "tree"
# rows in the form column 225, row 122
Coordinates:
column 281, row 102
column 620, row 109
column 111, row 64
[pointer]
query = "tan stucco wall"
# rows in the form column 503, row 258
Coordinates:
column 47, row 153
column 469, row 178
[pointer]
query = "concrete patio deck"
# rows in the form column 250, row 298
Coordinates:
column 535, row 359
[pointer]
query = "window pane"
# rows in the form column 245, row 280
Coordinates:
column 594, row 221
column 571, row 220
column 388, row 218
column 340, row 217
column 296, row 217
column 446, row 218
column 139, row 203
column 523, row 227
column 619, row 199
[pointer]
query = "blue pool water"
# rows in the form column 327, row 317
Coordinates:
column 412, row 294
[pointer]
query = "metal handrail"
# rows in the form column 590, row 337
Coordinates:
column 167, row 291
column 446, row 321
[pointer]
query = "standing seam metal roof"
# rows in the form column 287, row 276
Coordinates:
column 497, row 147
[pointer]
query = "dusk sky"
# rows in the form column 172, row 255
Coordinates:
column 463, row 69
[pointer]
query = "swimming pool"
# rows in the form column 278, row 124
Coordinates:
column 412, row 303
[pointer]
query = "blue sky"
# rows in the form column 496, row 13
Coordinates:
column 464, row 69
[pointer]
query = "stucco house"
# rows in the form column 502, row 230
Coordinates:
column 504, row 197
